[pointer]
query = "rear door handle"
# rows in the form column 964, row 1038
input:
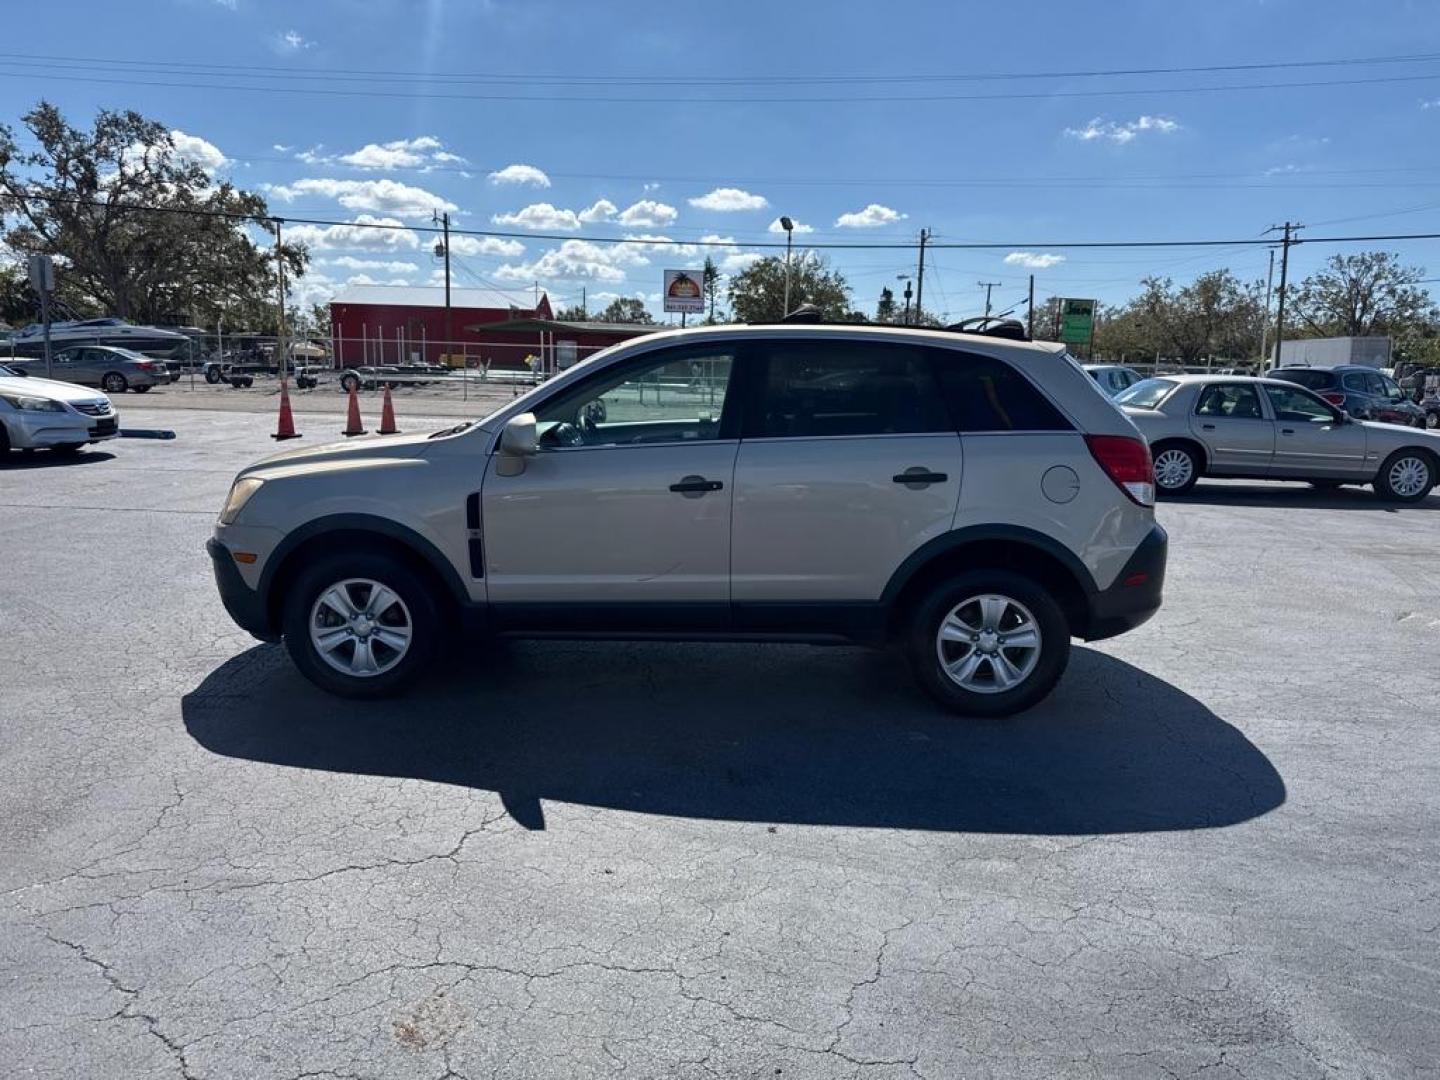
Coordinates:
column 696, row 485
column 917, row 476
column 1287, row 431
column 1207, row 427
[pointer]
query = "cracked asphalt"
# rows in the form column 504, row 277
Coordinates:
column 1212, row 852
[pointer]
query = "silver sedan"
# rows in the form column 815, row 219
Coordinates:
column 1267, row 429
column 112, row 369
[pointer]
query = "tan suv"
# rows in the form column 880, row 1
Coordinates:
column 978, row 500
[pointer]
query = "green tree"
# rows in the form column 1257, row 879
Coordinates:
column 757, row 294
column 1216, row 315
column 573, row 313
column 18, row 305
column 710, row 284
column 138, row 230
column 626, row 309
column 886, row 310
column 1361, row 295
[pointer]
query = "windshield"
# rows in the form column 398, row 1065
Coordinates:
column 1146, row 394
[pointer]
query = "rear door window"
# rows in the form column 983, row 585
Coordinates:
column 821, row 389
column 987, row 394
column 1354, row 381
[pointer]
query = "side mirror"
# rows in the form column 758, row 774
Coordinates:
column 517, row 442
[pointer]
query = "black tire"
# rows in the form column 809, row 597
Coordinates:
column 4, row 441
column 213, row 376
column 1185, row 477
column 1432, row 420
column 924, row 649
column 112, row 382
column 349, row 381
column 141, row 389
column 417, row 597
column 1384, row 479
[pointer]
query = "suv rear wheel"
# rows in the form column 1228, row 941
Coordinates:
column 363, row 625
column 988, row 643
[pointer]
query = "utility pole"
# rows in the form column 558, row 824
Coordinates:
column 920, row 276
column 584, row 309
column 1030, row 310
column 987, row 286
column 1265, row 322
column 444, row 220
column 280, row 281
column 1288, row 229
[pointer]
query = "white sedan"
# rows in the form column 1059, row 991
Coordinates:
column 36, row 413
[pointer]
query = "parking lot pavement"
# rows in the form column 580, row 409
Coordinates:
column 1213, row 850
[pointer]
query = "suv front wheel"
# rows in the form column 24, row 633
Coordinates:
column 988, row 643
column 362, row 625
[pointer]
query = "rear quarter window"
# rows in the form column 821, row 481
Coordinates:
column 1147, row 393
column 982, row 393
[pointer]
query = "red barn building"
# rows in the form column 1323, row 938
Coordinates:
column 399, row 324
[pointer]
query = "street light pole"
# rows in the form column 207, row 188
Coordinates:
column 987, row 286
column 789, row 227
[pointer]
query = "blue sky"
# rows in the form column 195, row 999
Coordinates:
column 1036, row 163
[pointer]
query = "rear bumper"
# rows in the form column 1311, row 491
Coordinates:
column 246, row 606
column 1135, row 594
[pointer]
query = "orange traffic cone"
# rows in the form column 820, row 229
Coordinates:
column 352, row 422
column 285, row 429
column 387, row 416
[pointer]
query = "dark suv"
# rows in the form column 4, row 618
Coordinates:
column 1362, row 392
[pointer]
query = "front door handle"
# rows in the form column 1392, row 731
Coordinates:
column 917, row 476
column 1207, row 427
column 696, row 485
column 1287, row 431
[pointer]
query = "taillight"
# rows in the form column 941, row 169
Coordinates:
column 1333, row 397
column 1126, row 460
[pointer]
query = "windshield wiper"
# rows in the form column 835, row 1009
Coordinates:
column 453, row 430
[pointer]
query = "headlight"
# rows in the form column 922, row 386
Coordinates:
column 240, row 493
column 33, row 404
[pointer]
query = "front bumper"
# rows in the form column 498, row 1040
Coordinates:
column 29, row 429
column 246, row 606
column 1135, row 594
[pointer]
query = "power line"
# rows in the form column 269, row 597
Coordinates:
column 571, row 79
column 253, row 219
column 671, row 99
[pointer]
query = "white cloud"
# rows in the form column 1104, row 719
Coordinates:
column 381, row 196
column 486, row 245
column 397, row 154
column 231, row 5
column 280, row 148
column 872, row 217
column 314, row 156
column 520, row 174
column 728, row 199
column 573, row 259
column 390, row 266
column 647, row 213
column 800, row 227
column 649, row 186
column 1433, row 103
column 649, row 242
column 1122, row 133
column 292, row 42
column 444, row 157
column 540, row 216
column 1033, row 260
column 599, row 210
column 200, row 151
column 355, row 236
column 741, row 260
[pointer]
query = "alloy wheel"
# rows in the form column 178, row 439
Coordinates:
column 988, row 644
column 1173, row 468
column 360, row 627
column 1409, row 476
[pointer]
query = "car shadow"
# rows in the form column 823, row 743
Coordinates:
column 17, row 460
column 1296, row 496
column 784, row 734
